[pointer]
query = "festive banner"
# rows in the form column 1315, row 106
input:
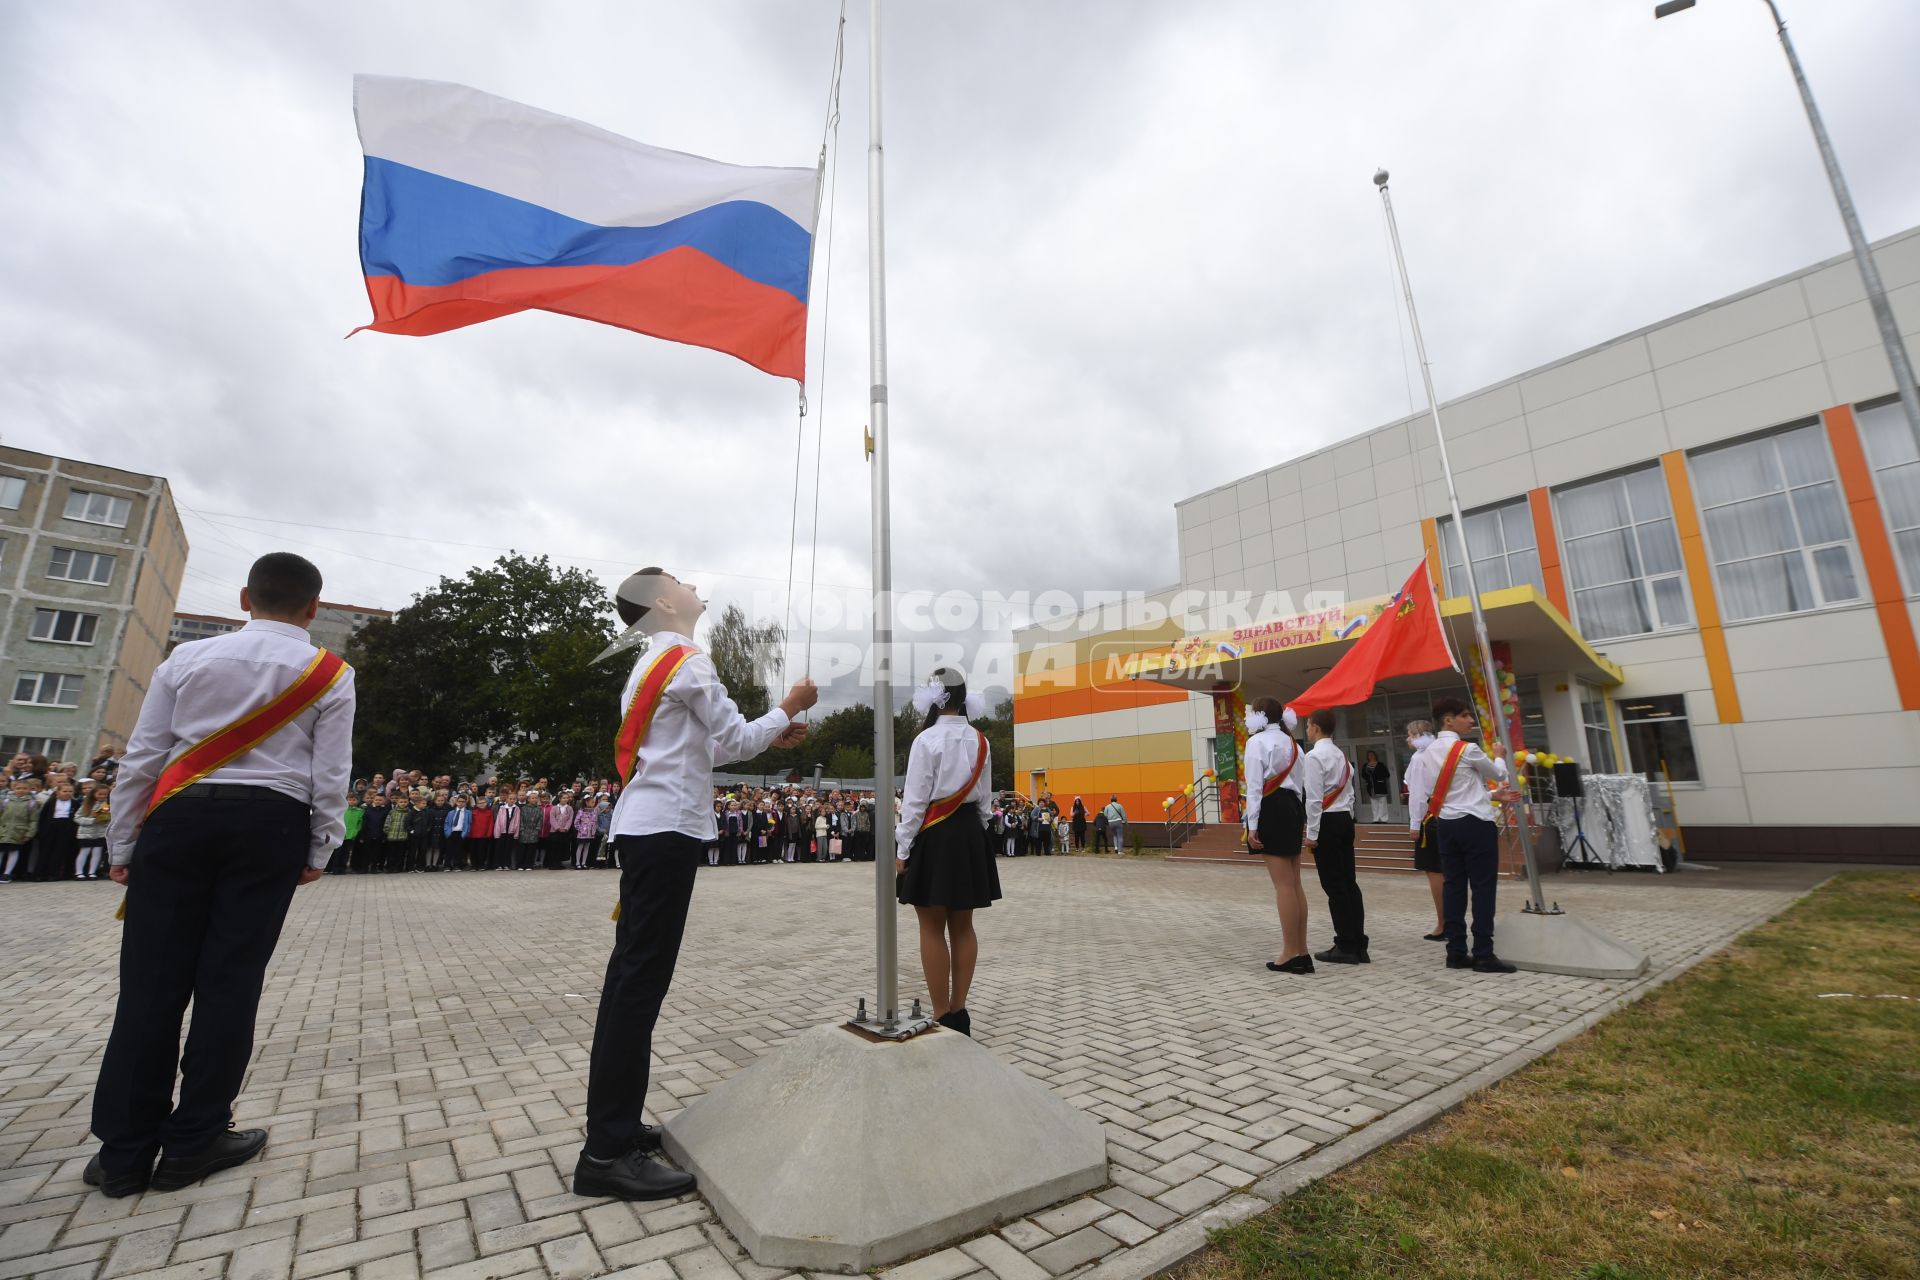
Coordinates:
column 1229, row 749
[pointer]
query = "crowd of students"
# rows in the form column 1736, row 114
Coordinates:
column 53, row 818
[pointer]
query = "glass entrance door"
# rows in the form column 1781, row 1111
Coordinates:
column 1363, row 810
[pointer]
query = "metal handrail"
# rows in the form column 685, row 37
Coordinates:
column 1184, row 818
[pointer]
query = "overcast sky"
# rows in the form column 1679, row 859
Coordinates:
column 1133, row 253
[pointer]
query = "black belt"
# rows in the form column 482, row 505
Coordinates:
column 233, row 791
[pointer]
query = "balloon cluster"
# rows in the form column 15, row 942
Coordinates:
column 1545, row 760
column 1167, row 803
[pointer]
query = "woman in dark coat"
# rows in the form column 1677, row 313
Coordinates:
column 1079, row 824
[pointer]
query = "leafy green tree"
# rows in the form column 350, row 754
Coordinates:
column 495, row 665
column 850, row 762
column 747, row 656
column 999, row 731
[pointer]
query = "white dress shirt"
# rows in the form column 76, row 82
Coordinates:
column 1467, row 794
column 1421, row 771
column 206, row 686
column 1268, row 752
column 941, row 759
column 1326, row 767
column 695, row 727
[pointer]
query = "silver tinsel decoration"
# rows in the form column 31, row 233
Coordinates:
column 1617, row 816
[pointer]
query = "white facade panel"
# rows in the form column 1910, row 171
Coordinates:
column 1290, row 537
column 1728, row 324
column 1878, row 797
column 1635, row 398
column 1395, row 475
column 1508, row 478
column 1353, row 458
column 1357, row 487
column 1359, row 519
column 1806, row 639
column 1583, row 375
column 1256, row 520
column 1481, row 410
column 1326, row 566
column 1739, row 365
column 1389, row 443
column 1818, row 692
column 1319, row 500
column 1598, row 452
column 1283, row 483
column 1754, row 407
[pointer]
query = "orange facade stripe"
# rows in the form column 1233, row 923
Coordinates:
column 1430, row 534
column 1693, row 550
column 1540, row 504
column 1876, row 553
column 1070, row 697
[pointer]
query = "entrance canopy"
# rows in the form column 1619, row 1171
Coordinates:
column 1281, row 656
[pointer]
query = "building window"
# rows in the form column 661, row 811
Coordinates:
column 51, row 748
column 1657, row 734
column 12, row 490
column 1622, row 555
column 80, row 566
column 1776, row 525
column 1896, row 468
column 64, row 626
column 1599, row 729
column 48, row 689
column 98, row 508
column 1500, row 540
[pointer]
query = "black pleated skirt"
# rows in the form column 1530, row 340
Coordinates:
column 949, row 866
column 1283, row 824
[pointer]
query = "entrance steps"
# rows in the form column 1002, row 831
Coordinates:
column 1383, row 848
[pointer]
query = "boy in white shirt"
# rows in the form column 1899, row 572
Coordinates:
column 1469, row 836
column 1329, row 784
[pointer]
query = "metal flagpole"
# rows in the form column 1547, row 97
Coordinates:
column 1535, row 903
column 886, row 1010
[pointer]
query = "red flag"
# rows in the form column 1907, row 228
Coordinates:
column 1406, row 639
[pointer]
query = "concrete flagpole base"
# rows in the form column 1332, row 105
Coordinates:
column 842, row 1153
column 1563, row 944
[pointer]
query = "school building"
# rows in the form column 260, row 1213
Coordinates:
column 1698, row 547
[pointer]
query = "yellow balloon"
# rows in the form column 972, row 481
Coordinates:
column 1187, row 790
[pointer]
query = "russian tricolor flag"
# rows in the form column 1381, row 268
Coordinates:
column 476, row 207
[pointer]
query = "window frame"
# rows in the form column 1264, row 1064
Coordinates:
column 124, row 509
column 40, row 679
column 1589, row 696
column 1909, row 575
column 1684, row 719
column 1499, row 509
column 5, row 482
column 111, row 559
column 1851, row 545
column 80, row 618
column 45, row 744
column 1644, row 580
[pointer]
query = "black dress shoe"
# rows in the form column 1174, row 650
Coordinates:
column 1337, row 955
column 1433, row 937
column 1459, row 962
column 235, row 1146
column 1493, row 964
column 634, row 1176
column 1299, row 964
column 957, row 1020
column 649, row 1140
column 126, row 1184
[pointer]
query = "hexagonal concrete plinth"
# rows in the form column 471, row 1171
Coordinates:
column 840, row 1153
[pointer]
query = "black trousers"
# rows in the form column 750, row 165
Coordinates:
column 207, row 892
column 656, row 887
column 1333, row 860
column 1470, row 861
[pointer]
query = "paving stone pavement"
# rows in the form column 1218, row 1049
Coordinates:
column 423, row 1050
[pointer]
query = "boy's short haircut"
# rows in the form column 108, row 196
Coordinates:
column 1323, row 720
column 630, row 612
column 282, row 582
column 1444, row 707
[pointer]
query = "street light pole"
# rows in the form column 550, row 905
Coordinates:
column 1862, row 253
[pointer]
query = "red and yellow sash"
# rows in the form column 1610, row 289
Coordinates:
column 1326, row 801
column 940, row 810
column 250, row 730
column 1444, row 783
column 1272, row 784
column 646, row 701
